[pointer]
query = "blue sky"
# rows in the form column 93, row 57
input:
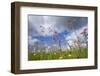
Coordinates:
column 49, row 39
column 45, row 28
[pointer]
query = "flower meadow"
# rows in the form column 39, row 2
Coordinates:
column 57, row 37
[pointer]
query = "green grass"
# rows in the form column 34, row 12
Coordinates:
column 69, row 54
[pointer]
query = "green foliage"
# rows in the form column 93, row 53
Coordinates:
column 68, row 54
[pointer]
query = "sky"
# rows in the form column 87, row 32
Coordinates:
column 48, row 30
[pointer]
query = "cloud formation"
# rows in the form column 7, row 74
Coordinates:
column 46, row 25
column 73, row 35
column 42, row 28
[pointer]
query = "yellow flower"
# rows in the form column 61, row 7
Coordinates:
column 54, row 53
column 69, row 55
column 60, row 57
column 34, row 54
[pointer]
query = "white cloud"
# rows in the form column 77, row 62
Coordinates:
column 47, row 25
column 45, row 28
column 73, row 35
column 32, row 41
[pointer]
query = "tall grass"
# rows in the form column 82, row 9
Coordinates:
column 68, row 54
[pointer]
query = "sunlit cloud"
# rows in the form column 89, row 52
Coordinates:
column 32, row 41
column 41, row 29
column 73, row 36
column 46, row 25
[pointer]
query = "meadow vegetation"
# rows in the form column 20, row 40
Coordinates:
column 69, row 54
